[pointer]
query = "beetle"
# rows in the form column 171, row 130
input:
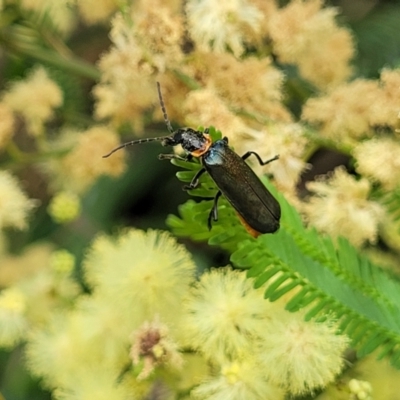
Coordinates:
column 257, row 209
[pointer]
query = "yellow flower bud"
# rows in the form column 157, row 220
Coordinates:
column 64, row 207
column 62, row 261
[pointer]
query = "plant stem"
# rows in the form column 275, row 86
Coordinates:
column 71, row 64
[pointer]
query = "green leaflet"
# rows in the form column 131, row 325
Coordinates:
column 392, row 200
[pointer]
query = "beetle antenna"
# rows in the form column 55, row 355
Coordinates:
column 167, row 121
column 121, row 146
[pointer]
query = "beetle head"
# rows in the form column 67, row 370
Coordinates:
column 193, row 142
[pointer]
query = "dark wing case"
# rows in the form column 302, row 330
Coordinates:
column 242, row 188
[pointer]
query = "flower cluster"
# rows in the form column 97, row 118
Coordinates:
column 134, row 279
column 239, row 333
column 341, row 207
column 254, row 349
column 370, row 155
column 223, row 25
column 306, row 35
column 353, row 110
column 84, row 164
column 127, row 86
column 34, row 286
column 35, row 99
column 14, row 204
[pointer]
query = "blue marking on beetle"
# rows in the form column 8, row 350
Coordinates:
column 214, row 156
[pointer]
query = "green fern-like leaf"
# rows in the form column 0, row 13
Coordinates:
column 391, row 200
column 308, row 268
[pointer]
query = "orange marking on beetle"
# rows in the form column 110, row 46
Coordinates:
column 204, row 149
column 249, row 229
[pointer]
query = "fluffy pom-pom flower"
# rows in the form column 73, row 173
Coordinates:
column 225, row 315
column 302, row 356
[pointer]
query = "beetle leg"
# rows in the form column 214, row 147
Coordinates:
column 174, row 156
column 249, row 153
column 214, row 210
column 195, row 181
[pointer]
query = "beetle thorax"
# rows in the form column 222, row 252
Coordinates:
column 194, row 142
